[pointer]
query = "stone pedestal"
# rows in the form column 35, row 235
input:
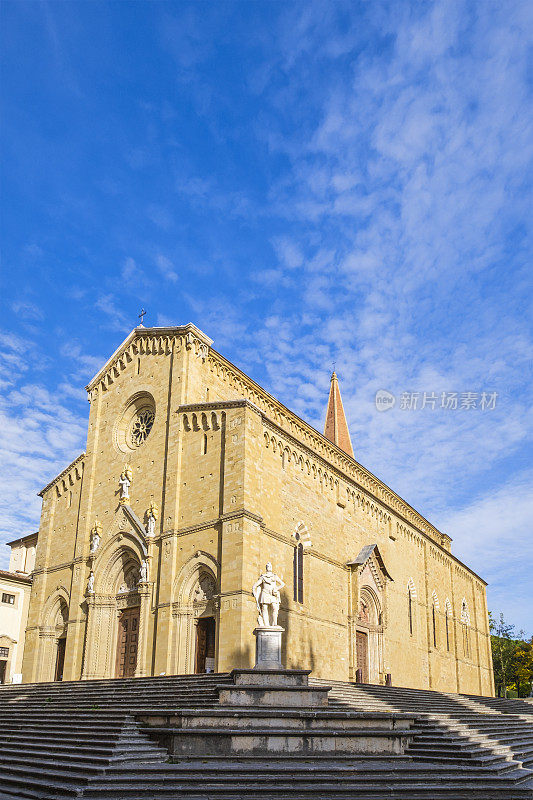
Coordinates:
column 268, row 648
column 272, row 688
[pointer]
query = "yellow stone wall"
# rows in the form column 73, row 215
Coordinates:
column 226, row 512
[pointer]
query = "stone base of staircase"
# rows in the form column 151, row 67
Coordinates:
column 103, row 740
column 274, row 713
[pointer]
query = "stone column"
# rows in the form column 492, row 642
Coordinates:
column 353, row 595
column 90, row 638
column 46, row 638
column 143, row 651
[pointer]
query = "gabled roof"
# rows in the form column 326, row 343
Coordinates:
column 336, row 427
column 140, row 331
column 363, row 556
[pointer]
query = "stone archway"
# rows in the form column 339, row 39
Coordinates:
column 111, row 611
column 369, row 636
column 195, row 616
column 53, row 636
column 368, row 614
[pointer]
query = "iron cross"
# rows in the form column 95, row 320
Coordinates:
column 141, row 315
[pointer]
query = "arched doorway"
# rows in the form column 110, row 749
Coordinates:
column 53, row 637
column 203, row 593
column 128, row 611
column 369, row 637
column 195, row 616
column 113, row 626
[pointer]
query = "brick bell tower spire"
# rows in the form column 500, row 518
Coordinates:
column 336, row 427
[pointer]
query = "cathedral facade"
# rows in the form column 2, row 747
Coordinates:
column 194, row 477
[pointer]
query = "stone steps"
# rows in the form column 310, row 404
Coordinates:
column 89, row 740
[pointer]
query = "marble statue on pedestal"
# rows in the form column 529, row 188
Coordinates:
column 266, row 593
column 90, row 583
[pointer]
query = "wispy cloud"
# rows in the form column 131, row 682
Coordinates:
column 308, row 183
column 114, row 317
column 166, row 268
column 40, row 436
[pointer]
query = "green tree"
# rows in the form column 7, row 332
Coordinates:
column 504, row 646
column 521, row 668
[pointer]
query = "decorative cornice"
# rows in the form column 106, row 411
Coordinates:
column 65, row 472
column 221, row 405
column 306, row 436
column 143, row 340
column 356, row 475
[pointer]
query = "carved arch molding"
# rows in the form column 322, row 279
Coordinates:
column 196, row 596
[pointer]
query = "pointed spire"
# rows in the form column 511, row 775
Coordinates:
column 336, row 427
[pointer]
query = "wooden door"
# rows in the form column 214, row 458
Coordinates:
column 60, row 659
column 361, row 641
column 205, row 645
column 128, row 640
column 3, row 666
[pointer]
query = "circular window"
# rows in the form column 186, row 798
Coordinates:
column 141, row 426
column 135, row 423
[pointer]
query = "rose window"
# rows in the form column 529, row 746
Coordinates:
column 141, row 426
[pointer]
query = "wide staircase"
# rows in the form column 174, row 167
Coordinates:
column 89, row 740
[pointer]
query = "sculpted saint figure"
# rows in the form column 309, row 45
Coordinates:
column 125, row 483
column 152, row 517
column 90, row 583
column 267, row 597
column 143, row 572
column 95, row 539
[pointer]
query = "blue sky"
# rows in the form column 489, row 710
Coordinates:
column 308, row 183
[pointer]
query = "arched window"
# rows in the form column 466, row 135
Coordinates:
column 298, row 572
column 465, row 622
column 204, row 444
column 434, row 610
column 411, row 595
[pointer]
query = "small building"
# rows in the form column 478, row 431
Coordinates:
column 193, row 478
column 15, row 588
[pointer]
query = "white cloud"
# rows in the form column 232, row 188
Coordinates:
column 492, row 535
column 27, row 310
column 116, row 319
column 40, row 436
column 166, row 268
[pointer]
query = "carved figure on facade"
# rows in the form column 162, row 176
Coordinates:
column 205, row 589
column 266, row 591
column 143, row 571
column 90, row 583
column 152, row 515
column 363, row 611
column 129, row 584
column 96, row 535
column 125, row 483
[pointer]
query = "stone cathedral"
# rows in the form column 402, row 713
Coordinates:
column 193, row 478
